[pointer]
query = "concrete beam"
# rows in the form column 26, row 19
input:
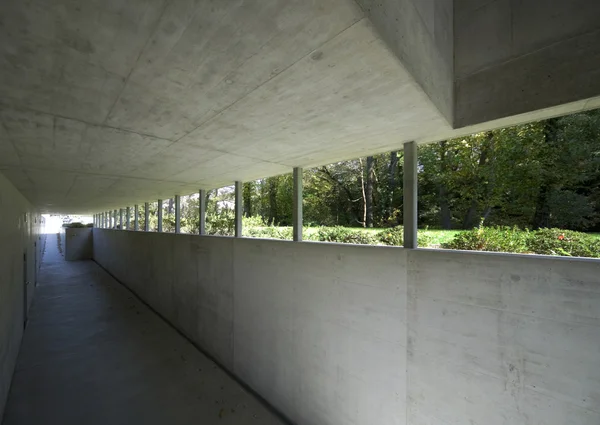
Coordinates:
column 128, row 219
column 136, row 221
column 202, row 205
column 239, row 206
column 297, row 220
column 160, row 215
column 410, row 195
column 146, row 217
column 177, row 214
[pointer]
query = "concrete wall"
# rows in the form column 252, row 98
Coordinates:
column 420, row 33
column 337, row 334
column 19, row 235
column 78, row 244
column 515, row 57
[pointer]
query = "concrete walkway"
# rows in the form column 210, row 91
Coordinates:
column 94, row 354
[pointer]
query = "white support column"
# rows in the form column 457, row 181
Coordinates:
column 410, row 195
column 202, row 204
column 177, row 214
column 128, row 219
column 136, row 221
column 297, row 204
column 120, row 218
column 238, row 209
column 146, row 217
column 160, row 214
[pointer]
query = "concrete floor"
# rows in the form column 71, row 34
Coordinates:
column 94, row 354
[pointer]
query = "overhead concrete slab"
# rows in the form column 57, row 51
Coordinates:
column 109, row 104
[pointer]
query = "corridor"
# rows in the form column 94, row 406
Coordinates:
column 92, row 353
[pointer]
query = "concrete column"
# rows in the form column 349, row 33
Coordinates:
column 177, row 214
column 128, row 219
column 238, row 209
column 297, row 204
column 159, row 212
column 121, row 218
column 146, row 217
column 136, row 221
column 410, row 195
column 202, row 204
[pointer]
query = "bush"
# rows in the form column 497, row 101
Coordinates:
column 75, row 225
column 543, row 241
column 395, row 237
column 268, row 232
column 220, row 223
column 392, row 236
column 563, row 242
column 344, row 235
column 495, row 239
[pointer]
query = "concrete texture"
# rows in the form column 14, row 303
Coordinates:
column 106, row 105
column 308, row 326
column 94, row 354
column 515, row 57
column 503, row 339
column 78, row 244
column 336, row 334
column 19, row 236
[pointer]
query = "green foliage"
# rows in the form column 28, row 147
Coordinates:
column 344, row 235
column 563, row 242
column 221, row 222
column 511, row 239
column 393, row 236
column 75, row 225
column 495, row 238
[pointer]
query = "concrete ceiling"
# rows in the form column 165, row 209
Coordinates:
column 108, row 103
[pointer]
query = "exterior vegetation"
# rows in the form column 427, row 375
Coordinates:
column 532, row 188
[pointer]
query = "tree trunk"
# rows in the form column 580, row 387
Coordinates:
column 469, row 221
column 170, row 208
column 272, row 200
column 247, row 192
column 364, row 196
column 541, row 216
column 369, row 192
column 393, row 169
column 445, row 214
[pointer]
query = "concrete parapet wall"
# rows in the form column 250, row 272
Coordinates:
column 338, row 334
column 78, row 244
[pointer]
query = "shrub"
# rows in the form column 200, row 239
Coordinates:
column 563, row 242
column 392, row 236
column 496, row 239
column 253, row 221
column 269, row 232
column 395, row 237
column 220, row 223
column 344, row 235
column 75, row 225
